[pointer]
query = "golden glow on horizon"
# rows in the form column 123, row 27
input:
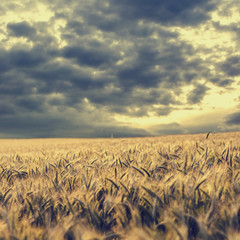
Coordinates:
column 215, row 103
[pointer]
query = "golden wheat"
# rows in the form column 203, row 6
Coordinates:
column 170, row 187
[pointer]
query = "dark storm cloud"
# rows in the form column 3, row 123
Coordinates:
column 166, row 67
column 137, row 76
column 89, row 56
column 135, row 103
column 14, row 83
column 203, row 128
column 117, row 131
column 162, row 111
column 26, row 58
column 43, row 126
column 221, row 82
column 105, row 22
column 165, row 12
column 176, row 128
column 77, row 27
column 30, row 103
column 76, row 84
column 141, row 72
column 6, row 109
column 64, row 78
column 164, row 129
column 197, row 94
column 15, row 71
column 111, row 57
column 130, row 110
column 30, row 126
column 21, row 29
column 231, row 66
column 4, row 62
column 13, row 90
column 233, row 119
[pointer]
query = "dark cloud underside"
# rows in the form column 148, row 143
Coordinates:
column 232, row 66
column 107, row 58
column 169, row 12
column 233, row 119
column 197, row 94
column 21, row 29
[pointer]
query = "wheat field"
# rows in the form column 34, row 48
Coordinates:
column 169, row 187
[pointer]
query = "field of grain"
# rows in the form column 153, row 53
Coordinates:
column 170, row 187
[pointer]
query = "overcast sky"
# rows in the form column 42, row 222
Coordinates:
column 93, row 68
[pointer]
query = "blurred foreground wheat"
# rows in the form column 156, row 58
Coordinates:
column 172, row 187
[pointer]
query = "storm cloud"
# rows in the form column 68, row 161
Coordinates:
column 233, row 119
column 165, row 12
column 90, row 64
column 197, row 94
column 21, row 29
column 231, row 66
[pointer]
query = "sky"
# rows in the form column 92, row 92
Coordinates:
column 102, row 68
